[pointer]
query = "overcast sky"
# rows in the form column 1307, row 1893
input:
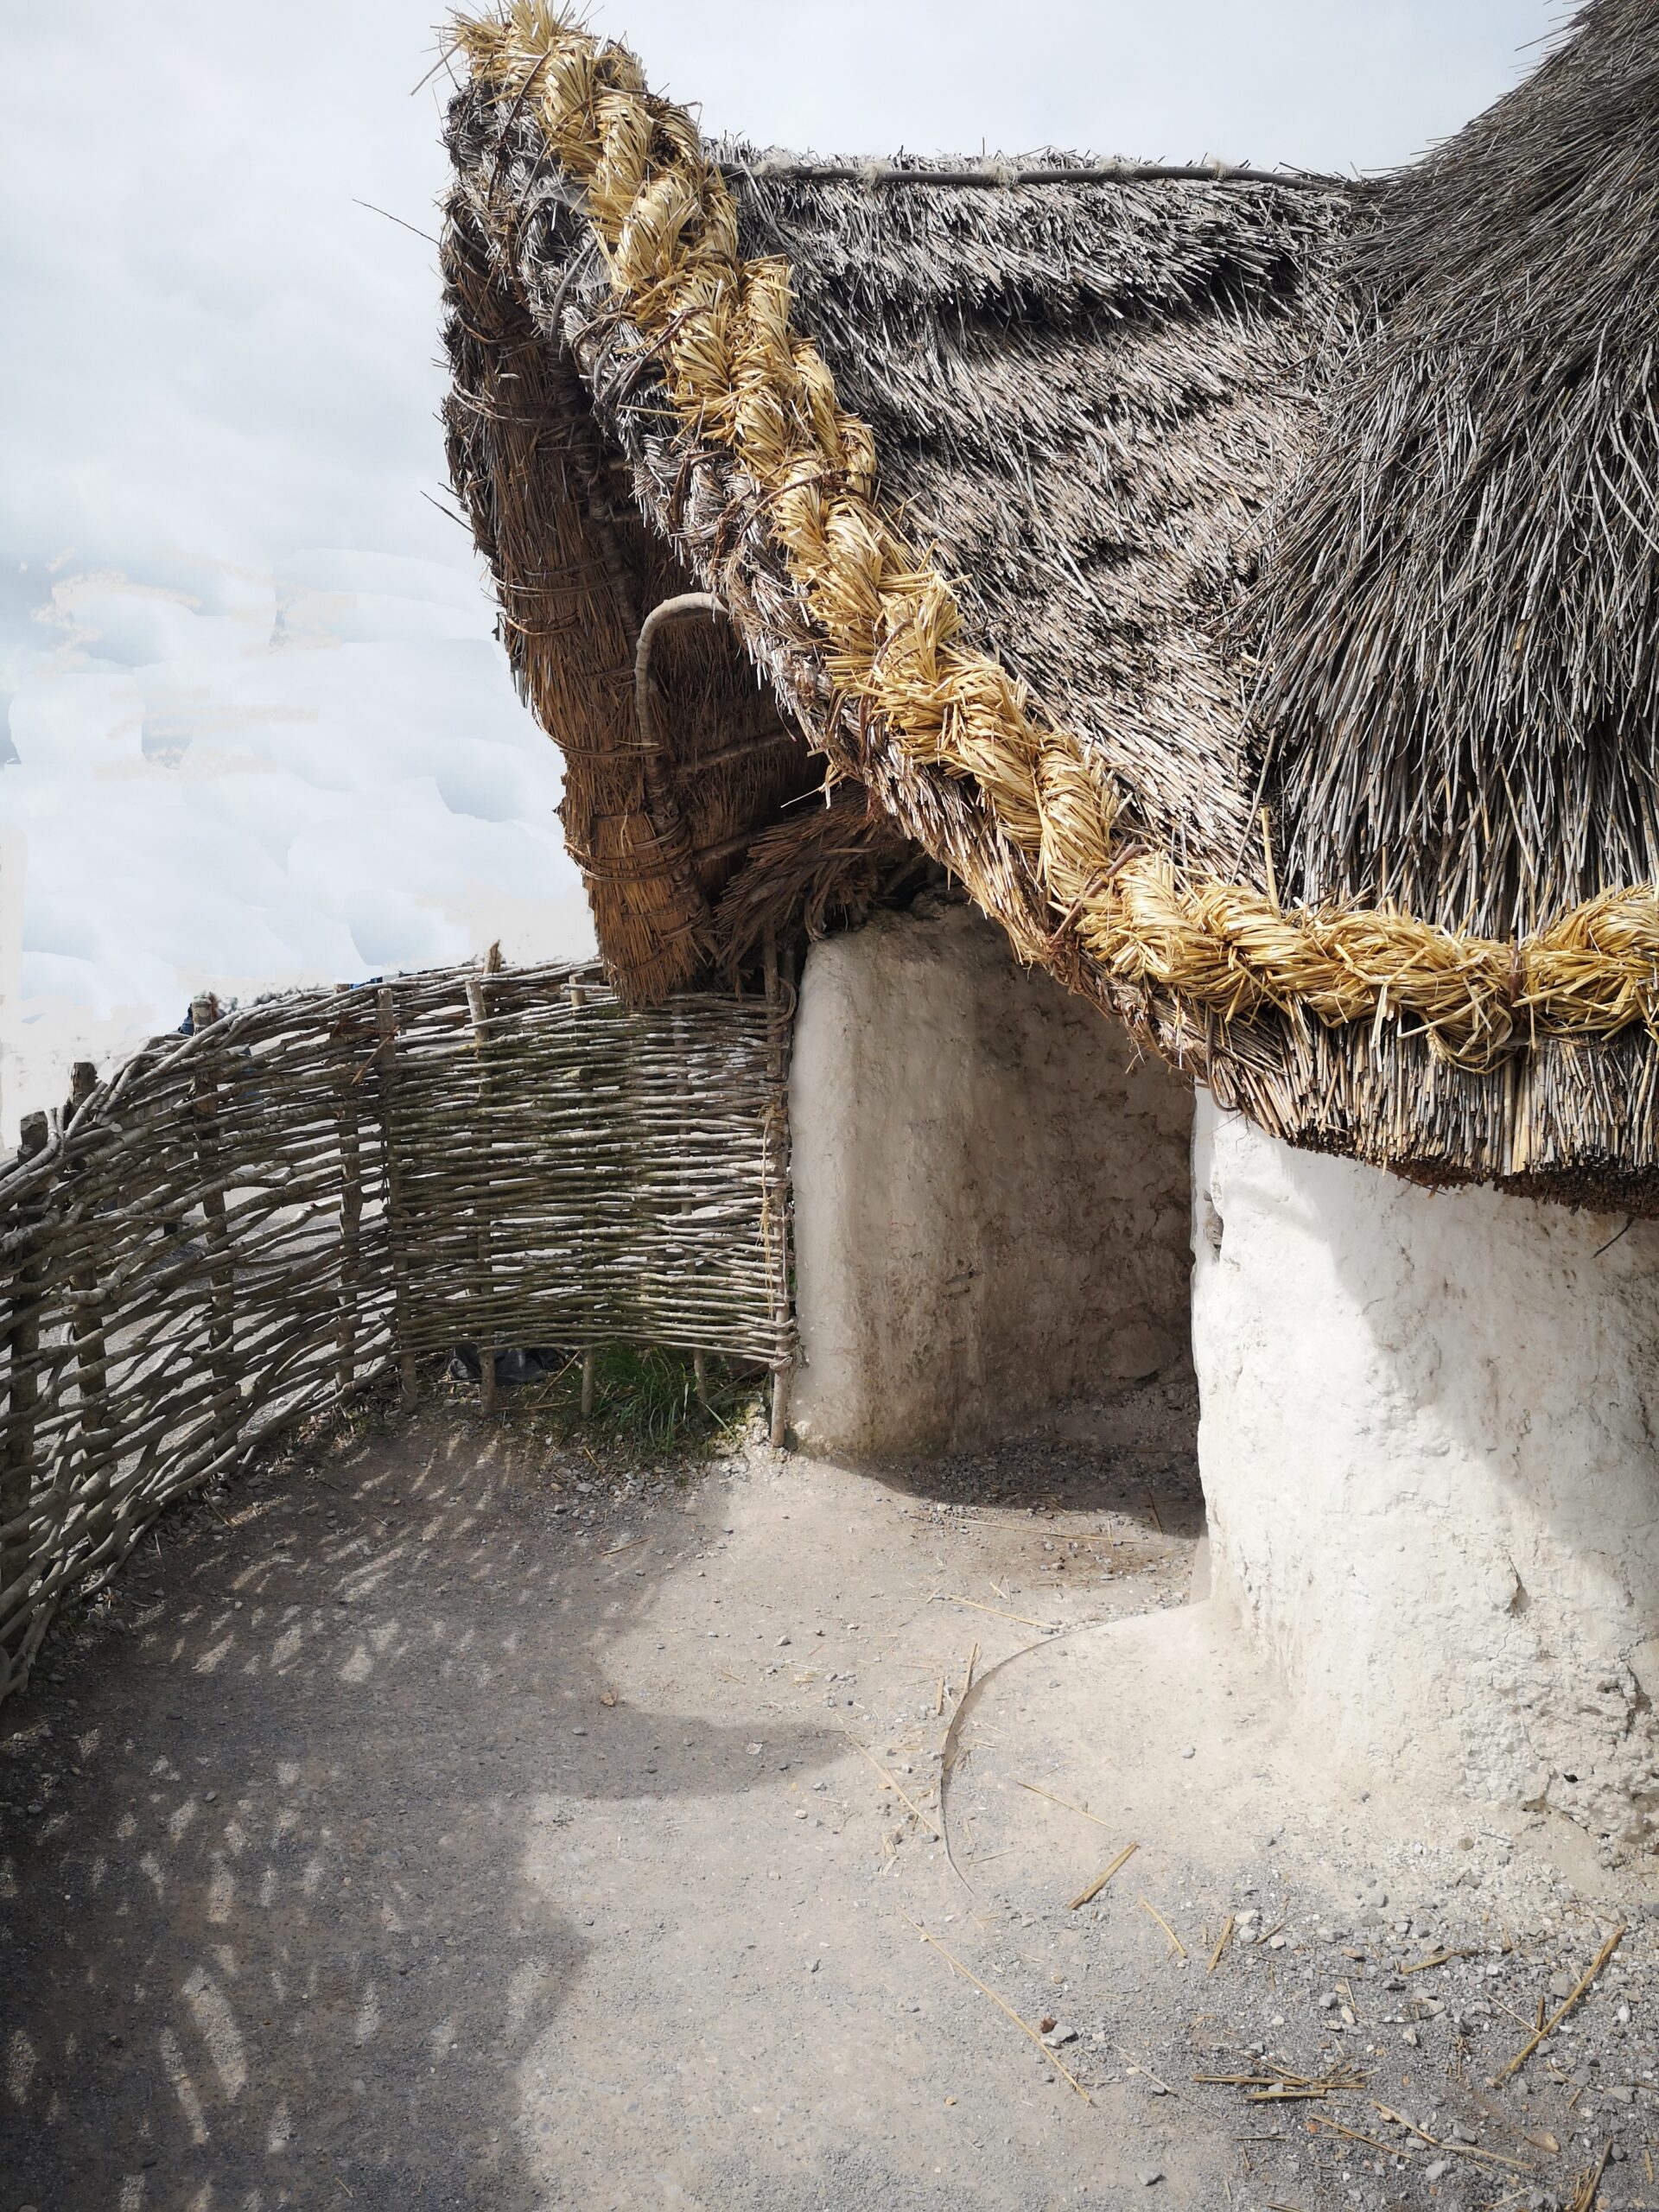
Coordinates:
column 257, row 730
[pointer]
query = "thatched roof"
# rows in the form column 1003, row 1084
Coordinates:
column 979, row 464
column 1081, row 395
column 1463, row 616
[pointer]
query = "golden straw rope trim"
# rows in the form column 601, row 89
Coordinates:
column 666, row 223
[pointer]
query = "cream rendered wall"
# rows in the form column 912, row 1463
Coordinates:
column 991, row 1197
column 1429, row 1444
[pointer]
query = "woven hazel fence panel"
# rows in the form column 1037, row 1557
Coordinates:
column 247, row 1225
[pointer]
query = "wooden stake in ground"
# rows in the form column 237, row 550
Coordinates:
column 350, row 1200
column 216, row 1236
column 775, row 1208
column 397, row 1202
column 17, row 1431
column 477, row 1008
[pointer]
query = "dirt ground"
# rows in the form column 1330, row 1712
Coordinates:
column 441, row 1820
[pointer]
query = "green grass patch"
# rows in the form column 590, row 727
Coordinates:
column 646, row 1402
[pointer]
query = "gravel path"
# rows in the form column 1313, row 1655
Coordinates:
column 444, row 1820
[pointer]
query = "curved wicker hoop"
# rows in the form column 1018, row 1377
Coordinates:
column 666, row 223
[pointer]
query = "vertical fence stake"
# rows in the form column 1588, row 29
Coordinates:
column 775, row 1201
column 700, row 1376
column 578, row 1000
column 397, row 1207
column 350, row 1200
column 17, row 1439
column 478, row 1007
column 92, row 1352
column 221, row 1285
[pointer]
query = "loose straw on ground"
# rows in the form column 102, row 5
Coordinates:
column 1456, row 2149
column 1556, row 2018
column 894, row 1786
column 1024, row 2026
column 1145, row 2072
column 1583, row 2196
column 1222, row 1941
column 1088, row 1896
column 1145, row 1905
column 1335, row 2127
column 1082, row 1810
column 1024, row 1619
column 1439, row 1958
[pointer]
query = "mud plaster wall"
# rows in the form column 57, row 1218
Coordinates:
column 1427, row 1447
column 991, row 1197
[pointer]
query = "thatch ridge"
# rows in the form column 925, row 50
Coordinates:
column 681, row 339
column 1000, row 173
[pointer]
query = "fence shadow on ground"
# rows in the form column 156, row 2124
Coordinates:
column 268, row 1936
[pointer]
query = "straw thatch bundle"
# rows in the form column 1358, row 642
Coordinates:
column 976, row 461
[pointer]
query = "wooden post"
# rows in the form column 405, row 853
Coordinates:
column 397, row 1207
column 221, row 1286
column 681, row 1033
column 92, row 1360
column 478, row 1007
column 775, row 1222
column 17, row 1438
column 351, row 1201
column 578, row 1000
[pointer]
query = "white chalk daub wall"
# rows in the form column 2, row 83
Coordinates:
column 1428, row 1451
column 991, row 1193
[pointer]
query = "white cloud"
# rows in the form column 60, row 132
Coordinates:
column 221, row 810
column 264, row 733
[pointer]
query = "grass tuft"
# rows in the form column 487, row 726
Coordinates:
column 646, row 1402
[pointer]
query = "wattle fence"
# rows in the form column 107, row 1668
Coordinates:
column 248, row 1225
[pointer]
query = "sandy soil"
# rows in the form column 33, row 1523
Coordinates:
column 437, row 1824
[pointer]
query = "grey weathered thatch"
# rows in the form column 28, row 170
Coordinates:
column 1082, row 395
column 1462, row 619
column 1086, row 392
